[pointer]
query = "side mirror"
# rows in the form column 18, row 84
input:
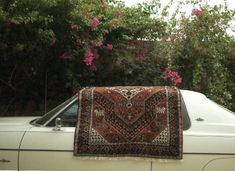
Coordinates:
column 58, row 124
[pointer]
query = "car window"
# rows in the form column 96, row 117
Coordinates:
column 68, row 116
column 50, row 115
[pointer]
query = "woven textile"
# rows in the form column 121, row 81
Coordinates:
column 129, row 121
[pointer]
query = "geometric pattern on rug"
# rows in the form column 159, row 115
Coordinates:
column 129, row 121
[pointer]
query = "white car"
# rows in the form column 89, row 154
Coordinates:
column 30, row 143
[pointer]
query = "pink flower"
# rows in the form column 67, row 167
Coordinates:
column 167, row 73
column 88, row 60
column 174, row 76
column 65, row 56
column 88, row 54
column 197, row 12
column 95, row 22
column 108, row 46
column 233, row 29
column 177, row 81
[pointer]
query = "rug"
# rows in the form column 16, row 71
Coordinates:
column 129, row 121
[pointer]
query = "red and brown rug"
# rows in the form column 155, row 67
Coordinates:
column 129, row 121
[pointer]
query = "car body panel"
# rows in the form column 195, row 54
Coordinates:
column 12, row 130
column 207, row 145
column 45, row 138
column 192, row 162
column 65, row 161
column 37, row 148
column 225, row 163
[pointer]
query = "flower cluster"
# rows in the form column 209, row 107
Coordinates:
column 108, row 46
column 173, row 76
column 197, row 12
column 90, row 55
column 92, row 48
column 95, row 22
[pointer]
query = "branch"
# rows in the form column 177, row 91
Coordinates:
column 8, row 84
column 11, row 76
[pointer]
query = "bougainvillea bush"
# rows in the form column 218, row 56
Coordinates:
column 49, row 48
column 199, row 49
column 203, row 52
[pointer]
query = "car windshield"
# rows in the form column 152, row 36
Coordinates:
column 50, row 115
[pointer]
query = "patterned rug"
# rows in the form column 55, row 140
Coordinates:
column 129, row 121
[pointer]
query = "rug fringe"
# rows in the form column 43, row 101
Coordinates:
column 127, row 158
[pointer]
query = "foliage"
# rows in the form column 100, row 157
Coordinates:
column 198, row 47
column 202, row 49
column 50, row 47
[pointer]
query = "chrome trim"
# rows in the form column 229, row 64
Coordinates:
column 53, row 117
column 58, row 125
column 185, row 153
column 46, row 150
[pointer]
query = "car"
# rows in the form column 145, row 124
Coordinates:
column 47, row 142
